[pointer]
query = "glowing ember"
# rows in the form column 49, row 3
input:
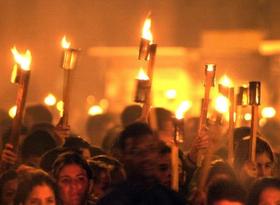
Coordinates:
column 142, row 75
column 13, row 111
column 225, row 81
column 268, row 112
column 24, row 60
column 171, row 94
column 64, row 43
column 247, row 116
column 221, row 104
column 50, row 100
column 95, row 110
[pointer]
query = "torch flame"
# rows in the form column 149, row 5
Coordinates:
column 146, row 32
column 225, row 81
column 64, row 43
column 142, row 75
column 268, row 112
column 184, row 107
column 24, row 60
column 210, row 67
column 222, row 104
column 50, row 100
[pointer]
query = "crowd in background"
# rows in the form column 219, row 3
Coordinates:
column 130, row 162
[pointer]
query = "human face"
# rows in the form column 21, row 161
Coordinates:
column 41, row 195
column 9, row 191
column 270, row 196
column 140, row 155
column 264, row 165
column 226, row 202
column 73, row 184
column 163, row 172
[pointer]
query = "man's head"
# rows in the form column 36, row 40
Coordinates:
column 73, row 175
column 138, row 149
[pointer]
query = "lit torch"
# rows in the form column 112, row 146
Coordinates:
column 208, row 83
column 241, row 102
column 226, row 89
column 146, row 39
column 20, row 75
column 143, row 86
column 254, row 101
column 147, row 51
column 69, row 61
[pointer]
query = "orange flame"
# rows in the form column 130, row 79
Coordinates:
column 142, row 75
column 24, row 60
column 146, row 31
column 210, row 67
column 184, row 107
column 64, row 43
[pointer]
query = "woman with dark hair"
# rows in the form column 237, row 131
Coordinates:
column 73, row 176
column 248, row 171
column 265, row 191
column 36, row 187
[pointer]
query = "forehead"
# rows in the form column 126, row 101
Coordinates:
column 263, row 158
column 71, row 170
column 140, row 141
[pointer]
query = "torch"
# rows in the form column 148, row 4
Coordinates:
column 254, row 101
column 142, row 87
column 20, row 76
column 208, row 83
column 147, row 51
column 68, row 63
column 226, row 89
column 241, row 101
column 178, row 122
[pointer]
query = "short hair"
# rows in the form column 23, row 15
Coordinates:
column 4, row 178
column 130, row 114
column 37, row 143
column 225, row 190
column 75, row 143
column 259, row 186
column 68, row 158
column 242, row 151
column 162, row 116
column 134, row 130
column 39, row 113
column 29, row 181
column 221, row 167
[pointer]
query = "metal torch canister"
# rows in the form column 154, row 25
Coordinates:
column 254, row 93
column 142, row 88
column 69, row 58
column 144, row 49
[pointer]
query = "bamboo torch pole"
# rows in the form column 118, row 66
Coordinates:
column 226, row 89
column 254, row 101
column 21, row 77
column 69, row 61
column 209, row 82
column 147, row 51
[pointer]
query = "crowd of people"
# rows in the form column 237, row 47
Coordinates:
column 130, row 163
